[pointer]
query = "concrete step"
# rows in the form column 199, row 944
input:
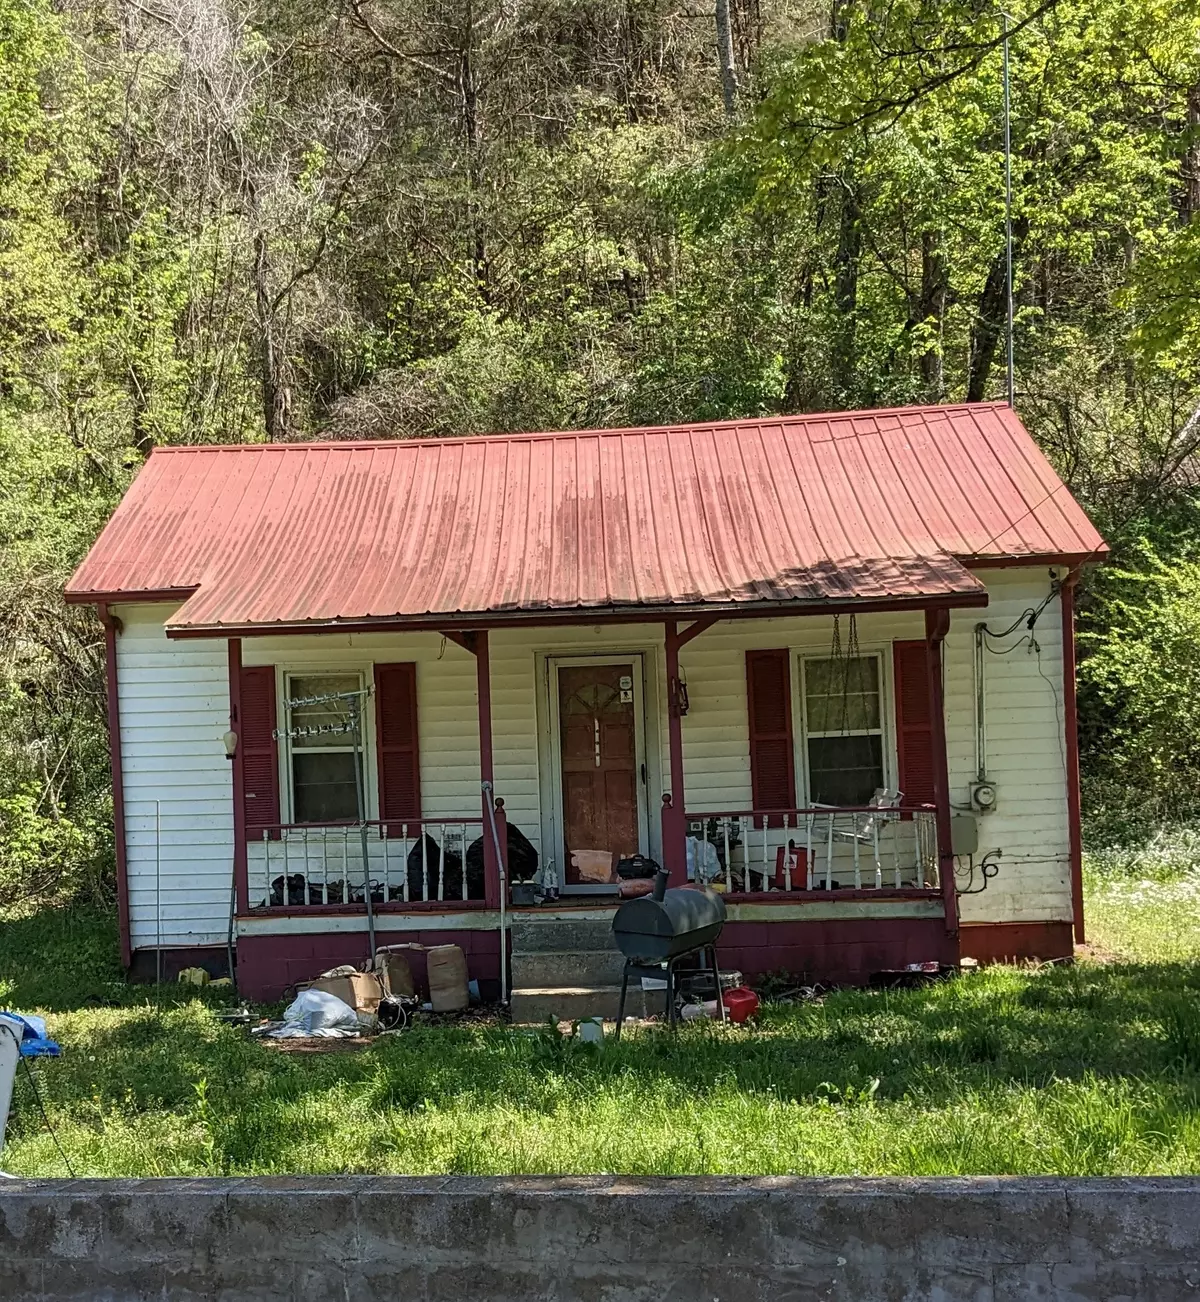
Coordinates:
column 560, row 935
column 566, row 1003
column 536, row 1004
column 588, row 967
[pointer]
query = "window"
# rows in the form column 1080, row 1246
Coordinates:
column 843, row 729
column 321, row 766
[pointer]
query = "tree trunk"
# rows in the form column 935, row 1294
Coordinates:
column 1191, row 158
column 932, row 312
column 985, row 333
column 991, row 317
column 469, row 92
column 729, row 85
column 276, row 393
column 845, row 289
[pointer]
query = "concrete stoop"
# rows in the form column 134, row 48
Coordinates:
column 568, row 970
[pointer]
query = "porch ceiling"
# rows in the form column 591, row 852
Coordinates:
column 800, row 513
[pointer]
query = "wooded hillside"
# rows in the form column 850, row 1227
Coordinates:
column 227, row 220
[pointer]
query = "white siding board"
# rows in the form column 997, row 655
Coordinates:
column 174, row 708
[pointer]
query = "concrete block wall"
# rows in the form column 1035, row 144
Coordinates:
column 602, row 1239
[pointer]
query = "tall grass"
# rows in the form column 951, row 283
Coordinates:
column 1088, row 1070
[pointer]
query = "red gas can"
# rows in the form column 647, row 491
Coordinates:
column 740, row 1003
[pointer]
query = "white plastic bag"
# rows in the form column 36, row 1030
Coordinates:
column 702, row 862
column 317, row 1013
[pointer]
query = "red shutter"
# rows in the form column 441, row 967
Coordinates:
column 396, row 739
column 259, row 751
column 772, row 757
column 914, row 731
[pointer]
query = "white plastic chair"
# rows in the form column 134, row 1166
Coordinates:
column 865, row 831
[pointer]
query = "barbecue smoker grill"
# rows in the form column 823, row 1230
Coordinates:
column 664, row 927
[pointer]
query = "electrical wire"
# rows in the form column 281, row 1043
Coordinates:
column 38, row 1100
column 49, row 1124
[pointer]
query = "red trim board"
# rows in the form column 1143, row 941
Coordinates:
column 118, row 784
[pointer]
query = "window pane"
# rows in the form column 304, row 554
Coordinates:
column 323, row 788
column 304, row 686
column 842, row 695
column 845, row 770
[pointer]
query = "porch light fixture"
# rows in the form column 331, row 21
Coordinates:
column 231, row 740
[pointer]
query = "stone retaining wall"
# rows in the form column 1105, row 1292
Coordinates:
column 602, row 1239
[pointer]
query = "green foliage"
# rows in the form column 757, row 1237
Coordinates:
column 263, row 221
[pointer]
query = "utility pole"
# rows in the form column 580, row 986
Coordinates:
column 1008, row 242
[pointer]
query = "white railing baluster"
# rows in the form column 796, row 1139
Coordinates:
column 728, row 856
column 787, row 853
column 442, row 870
column 878, row 864
column 404, row 861
column 283, row 836
column 462, row 845
column 424, row 861
column 747, row 862
column 387, row 864
column 854, row 827
column 267, row 863
column 766, row 836
column 809, row 866
column 895, row 839
column 829, row 855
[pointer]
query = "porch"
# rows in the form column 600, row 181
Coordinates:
column 831, row 893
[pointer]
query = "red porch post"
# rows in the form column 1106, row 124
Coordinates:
column 674, row 822
column 1071, row 726
column 241, row 875
column 111, row 626
column 937, row 625
column 483, row 677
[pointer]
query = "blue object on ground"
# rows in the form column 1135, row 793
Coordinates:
column 30, row 1030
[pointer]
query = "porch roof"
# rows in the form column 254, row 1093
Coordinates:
column 800, row 512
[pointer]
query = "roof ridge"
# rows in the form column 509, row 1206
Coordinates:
column 531, row 436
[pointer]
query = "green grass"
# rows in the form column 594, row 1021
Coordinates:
column 1092, row 1069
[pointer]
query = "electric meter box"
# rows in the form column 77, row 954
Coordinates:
column 983, row 797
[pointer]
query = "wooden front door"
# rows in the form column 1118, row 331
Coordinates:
column 598, row 732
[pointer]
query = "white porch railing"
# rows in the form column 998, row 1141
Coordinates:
column 425, row 860
column 864, row 848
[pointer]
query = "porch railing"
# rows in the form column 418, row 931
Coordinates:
column 296, row 865
column 860, row 848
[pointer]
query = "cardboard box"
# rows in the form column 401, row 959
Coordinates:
column 362, row 991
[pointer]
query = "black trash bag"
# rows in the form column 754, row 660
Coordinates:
column 451, row 888
column 522, row 861
column 296, row 891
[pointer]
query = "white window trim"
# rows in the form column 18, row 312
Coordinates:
column 366, row 676
column 882, row 651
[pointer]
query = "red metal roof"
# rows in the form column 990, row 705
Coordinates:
column 873, row 506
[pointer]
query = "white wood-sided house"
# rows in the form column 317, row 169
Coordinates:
column 825, row 663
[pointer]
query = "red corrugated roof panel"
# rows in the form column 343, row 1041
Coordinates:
column 876, row 506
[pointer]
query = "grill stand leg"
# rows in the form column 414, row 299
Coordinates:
column 621, row 1005
column 712, row 949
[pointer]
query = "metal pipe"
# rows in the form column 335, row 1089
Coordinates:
column 489, row 805
column 359, row 752
column 1008, row 244
column 980, row 706
column 158, row 892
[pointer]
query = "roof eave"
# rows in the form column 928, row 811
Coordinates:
column 459, row 621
